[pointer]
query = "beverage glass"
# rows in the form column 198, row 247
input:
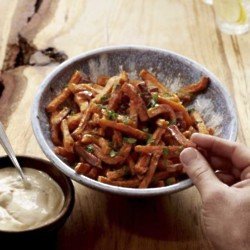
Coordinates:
column 210, row 2
column 232, row 16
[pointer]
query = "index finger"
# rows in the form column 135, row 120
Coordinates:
column 236, row 152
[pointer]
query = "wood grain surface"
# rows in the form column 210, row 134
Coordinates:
column 101, row 221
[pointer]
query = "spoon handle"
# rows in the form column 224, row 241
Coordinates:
column 4, row 141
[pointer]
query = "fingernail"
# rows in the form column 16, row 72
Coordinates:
column 188, row 155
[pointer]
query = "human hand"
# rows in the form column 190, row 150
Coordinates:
column 225, row 208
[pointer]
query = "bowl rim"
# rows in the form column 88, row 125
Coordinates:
column 68, row 204
column 63, row 167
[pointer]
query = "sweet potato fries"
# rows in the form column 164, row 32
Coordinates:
column 125, row 132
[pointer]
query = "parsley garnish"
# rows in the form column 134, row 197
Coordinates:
column 165, row 151
column 167, row 94
column 145, row 130
column 129, row 140
column 150, row 140
column 126, row 120
column 197, row 122
column 170, row 181
column 90, row 148
column 113, row 153
column 172, row 122
column 112, row 115
column 154, row 100
column 191, row 110
column 102, row 106
column 72, row 112
column 155, row 97
column 104, row 98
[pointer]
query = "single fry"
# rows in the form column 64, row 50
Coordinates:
column 162, row 109
column 131, row 91
column 141, row 166
column 131, row 165
column 115, row 98
column 117, row 139
column 180, row 138
column 93, row 173
column 100, row 141
column 68, row 141
column 75, row 88
column 83, row 123
column 82, row 168
column 117, row 174
column 78, row 77
column 132, row 183
column 64, row 153
column 102, row 80
column 150, row 78
column 124, row 128
column 113, row 159
column 87, row 156
column 58, row 100
column 200, row 124
column 177, row 106
column 74, row 121
column 187, row 93
column 172, row 151
column 107, row 89
column 152, row 167
column 55, row 119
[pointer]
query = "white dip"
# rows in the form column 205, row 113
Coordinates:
column 23, row 208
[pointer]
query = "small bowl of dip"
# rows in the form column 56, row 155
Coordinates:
column 42, row 206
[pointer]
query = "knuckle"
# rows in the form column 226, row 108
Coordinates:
column 200, row 173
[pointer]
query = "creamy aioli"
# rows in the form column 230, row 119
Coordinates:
column 25, row 207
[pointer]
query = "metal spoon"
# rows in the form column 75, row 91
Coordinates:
column 4, row 141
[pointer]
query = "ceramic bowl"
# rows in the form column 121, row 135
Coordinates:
column 172, row 69
column 63, row 181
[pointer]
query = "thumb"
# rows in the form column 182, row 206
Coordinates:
column 199, row 171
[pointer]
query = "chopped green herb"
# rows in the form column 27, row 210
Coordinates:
column 191, row 110
column 197, row 122
column 72, row 112
column 129, row 140
column 165, row 151
column 145, row 130
column 113, row 153
column 150, row 140
column 172, row 122
column 112, row 115
column 167, row 95
column 104, row 98
column 170, row 181
column 90, row 148
column 102, row 106
column 155, row 97
column 153, row 101
column 177, row 152
column 125, row 119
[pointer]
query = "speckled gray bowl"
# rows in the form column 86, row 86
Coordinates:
column 174, row 70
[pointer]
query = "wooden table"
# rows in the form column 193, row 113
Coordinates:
column 101, row 221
